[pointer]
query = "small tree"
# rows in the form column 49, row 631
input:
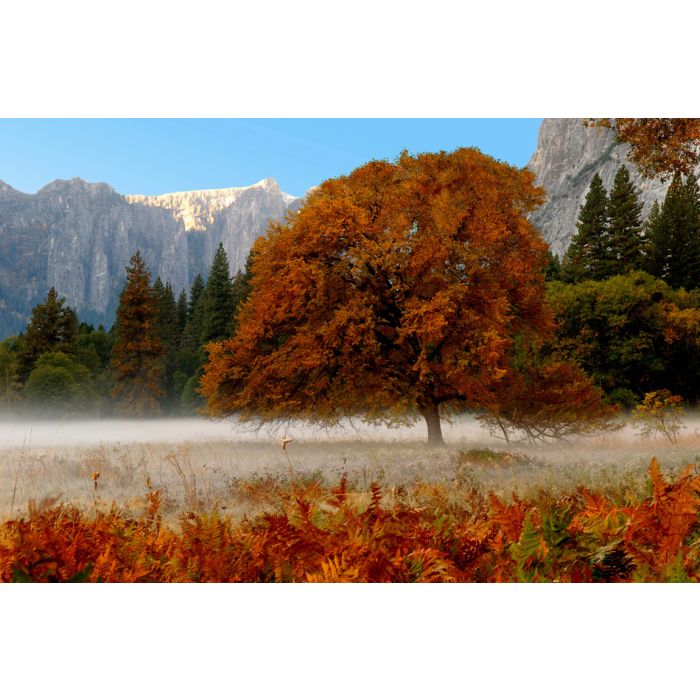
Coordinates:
column 660, row 413
column 53, row 327
column 588, row 256
column 169, row 334
column 137, row 357
column 9, row 374
column 218, row 300
column 674, row 235
column 624, row 225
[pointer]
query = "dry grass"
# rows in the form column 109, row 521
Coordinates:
column 243, row 477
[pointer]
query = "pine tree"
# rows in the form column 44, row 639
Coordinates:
column 218, row 300
column 241, row 287
column 9, row 374
column 137, row 357
column 624, row 226
column 588, row 256
column 673, row 231
column 53, row 327
column 169, row 334
column 192, row 332
column 553, row 270
column 195, row 292
column 181, row 313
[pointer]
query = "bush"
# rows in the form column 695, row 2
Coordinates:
column 659, row 413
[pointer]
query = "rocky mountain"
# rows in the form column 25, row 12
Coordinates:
column 568, row 155
column 79, row 236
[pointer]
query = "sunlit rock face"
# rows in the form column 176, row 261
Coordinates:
column 235, row 216
column 79, row 236
column 568, row 154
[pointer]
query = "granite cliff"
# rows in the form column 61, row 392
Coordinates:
column 568, row 155
column 79, row 236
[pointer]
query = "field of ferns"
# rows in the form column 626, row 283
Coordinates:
column 392, row 513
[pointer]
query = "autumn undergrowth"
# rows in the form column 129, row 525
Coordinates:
column 309, row 528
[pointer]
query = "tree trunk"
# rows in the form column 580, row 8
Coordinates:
column 432, row 418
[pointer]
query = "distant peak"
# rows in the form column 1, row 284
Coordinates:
column 269, row 183
column 75, row 184
column 7, row 189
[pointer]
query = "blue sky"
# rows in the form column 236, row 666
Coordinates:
column 152, row 156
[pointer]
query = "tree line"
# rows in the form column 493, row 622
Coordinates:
column 412, row 287
column 148, row 363
column 625, row 297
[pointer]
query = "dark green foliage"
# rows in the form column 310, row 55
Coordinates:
column 150, row 360
column 625, row 226
column 218, row 301
column 93, row 347
column 588, row 256
column 673, row 231
column 169, row 333
column 191, row 400
column 181, row 312
column 9, row 374
column 59, row 383
column 195, row 292
column 53, row 328
column 618, row 332
column 553, row 270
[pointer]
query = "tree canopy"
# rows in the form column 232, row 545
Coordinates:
column 395, row 290
column 659, row 147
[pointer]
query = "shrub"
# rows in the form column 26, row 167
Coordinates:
column 659, row 413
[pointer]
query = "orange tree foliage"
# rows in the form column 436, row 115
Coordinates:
column 421, row 534
column 546, row 401
column 659, row 146
column 137, row 356
column 396, row 289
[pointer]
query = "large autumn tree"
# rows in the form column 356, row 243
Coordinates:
column 137, row 356
column 396, row 289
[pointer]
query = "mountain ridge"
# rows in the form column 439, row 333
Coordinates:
column 78, row 236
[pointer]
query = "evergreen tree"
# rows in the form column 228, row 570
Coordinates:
column 624, row 225
column 9, row 374
column 673, row 231
column 190, row 357
column 137, row 357
column 168, row 332
column 588, row 256
column 192, row 332
column 241, row 283
column 53, row 327
column 181, row 312
column 553, row 270
column 218, row 300
column 195, row 292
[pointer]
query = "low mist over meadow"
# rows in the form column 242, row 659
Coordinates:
column 201, row 464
